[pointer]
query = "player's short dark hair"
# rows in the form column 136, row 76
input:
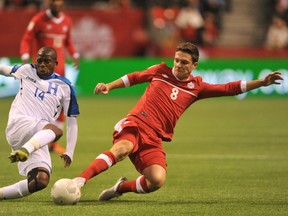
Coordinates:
column 49, row 50
column 189, row 48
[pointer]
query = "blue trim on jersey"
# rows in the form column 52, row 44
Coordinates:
column 73, row 109
column 15, row 68
column 73, row 106
column 64, row 79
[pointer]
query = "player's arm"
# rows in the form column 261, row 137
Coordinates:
column 28, row 37
column 72, row 134
column 71, row 48
column 105, row 88
column 270, row 79
column 237, row 87
column 6, row 70
column 128, row 80
column 25, row 45
column 72, row 51
column 71, row 111
column 26, row 41
column 76, row 60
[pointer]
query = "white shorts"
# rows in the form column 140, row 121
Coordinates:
column 39, row 158
column 18, row 132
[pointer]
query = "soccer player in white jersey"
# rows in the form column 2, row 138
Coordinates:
column 31, row 124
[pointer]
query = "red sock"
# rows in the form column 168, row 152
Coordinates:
column 100, row 164
column 137, row 186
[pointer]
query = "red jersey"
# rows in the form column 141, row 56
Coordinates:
column 166, row 97
column 46, row 30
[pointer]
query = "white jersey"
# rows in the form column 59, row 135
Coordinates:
column 38, row 103
column 42, row 99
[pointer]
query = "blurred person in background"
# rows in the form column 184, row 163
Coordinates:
column 52, row 28
column 209, row 32
column 216, row 7
column 281, row 10
column 22, row 4
column 163, row 31
column 277, row 34
column 190, row 21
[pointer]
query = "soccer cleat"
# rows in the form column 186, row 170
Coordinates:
column 19, row 155
column 112, row 192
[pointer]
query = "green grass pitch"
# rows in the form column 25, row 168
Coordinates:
column 228, row 157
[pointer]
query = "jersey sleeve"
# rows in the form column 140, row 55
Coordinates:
column 69, row 41
column 217, row 90
column 143, row 76
column 71, row 108
column 28, row 37
column 18, row 71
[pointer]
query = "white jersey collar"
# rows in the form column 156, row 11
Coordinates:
column 56, row 20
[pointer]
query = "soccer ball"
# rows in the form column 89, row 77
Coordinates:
column 65, row 192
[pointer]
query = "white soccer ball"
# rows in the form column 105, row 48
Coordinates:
column 65, row 192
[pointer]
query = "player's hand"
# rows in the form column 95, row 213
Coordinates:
column 101, row 88
column 76, row 63
column 67, row 160
column 272, row 78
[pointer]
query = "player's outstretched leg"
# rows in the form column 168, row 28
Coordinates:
column 38, row 140
column 19, row 155
column 15, row 191
column 141, row 185
column 112, row 192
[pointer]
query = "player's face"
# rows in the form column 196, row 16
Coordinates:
column 45, row 65
column 183, row 65
column 56, row 6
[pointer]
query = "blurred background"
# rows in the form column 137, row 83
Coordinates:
column 129, row 29
column 228, row 156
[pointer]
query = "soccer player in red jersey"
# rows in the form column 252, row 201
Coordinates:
column 140, row 134
column 51, row 28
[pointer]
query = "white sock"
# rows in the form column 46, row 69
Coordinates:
column 40, row 139
column 79, row 181
column 17, row 190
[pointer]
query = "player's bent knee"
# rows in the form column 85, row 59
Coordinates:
column 38, row 179
column 59, row 133
column 156, row 183
column 122, row 149
column 155, row 176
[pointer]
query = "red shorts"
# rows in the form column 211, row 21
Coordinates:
column 147, row 149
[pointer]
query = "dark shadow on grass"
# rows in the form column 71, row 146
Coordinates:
column 89, row 202
column 181, row 202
